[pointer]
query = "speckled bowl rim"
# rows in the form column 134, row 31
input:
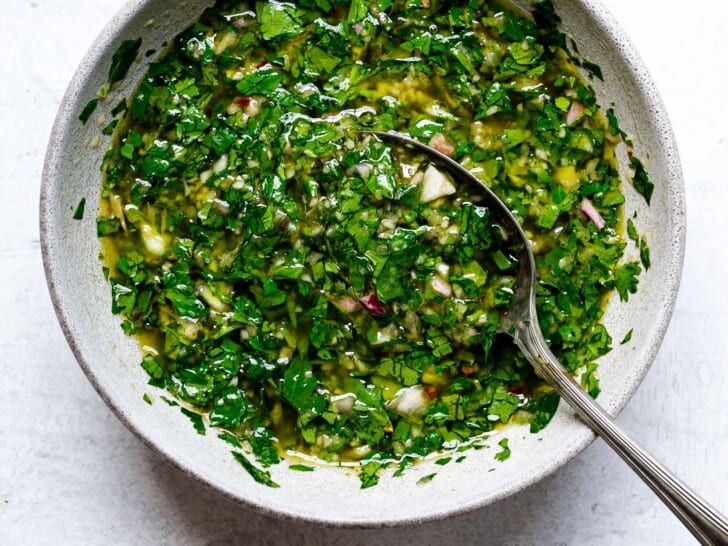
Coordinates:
column 601, row 16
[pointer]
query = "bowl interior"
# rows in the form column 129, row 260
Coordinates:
column 332, row 495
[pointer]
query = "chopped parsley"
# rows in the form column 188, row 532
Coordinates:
column 505, row 451
column 301, row 467
column 88, row 109
column 230, row 439
column 122, row 58
column 368, row 474
column 426, row 479
column 303, row 287
column 196, row 420
column 78, row 213
column 641, row 180
column 259, row 475
column 543, row 408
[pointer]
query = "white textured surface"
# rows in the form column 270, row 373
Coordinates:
column 71, row 474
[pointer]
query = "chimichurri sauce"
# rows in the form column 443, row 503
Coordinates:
column 310, row 289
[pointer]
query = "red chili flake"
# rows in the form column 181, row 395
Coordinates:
column 261, row 64
column 243, row 102
column 467, row 370
column 372, row 304
column 431, row 392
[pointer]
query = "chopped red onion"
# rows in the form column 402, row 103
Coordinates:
column 372, row 304
column 347, row 304
column 362, row 169
column 592, row 213
column 442, row 144
column 441, row 286
column 575, row 113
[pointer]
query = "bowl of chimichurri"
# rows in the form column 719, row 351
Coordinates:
column 304, row 316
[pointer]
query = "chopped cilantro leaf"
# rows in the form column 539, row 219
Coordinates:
column 626, row 279
column 122, row 58
column 196, row 420
column 641, row 179
column 590, row 381
column 613, row 123
column 645, row 254
column 88, row 109
column 277, row 19
column 543, row 408
column 593, row 69
column 632, row 230
column 301, row 467
column 78, row 213
column 109, row 128
column 259, row 82
column 505, row 452
column 368, row 474
column 260, row 476
column 426, row 479
column 358, row 9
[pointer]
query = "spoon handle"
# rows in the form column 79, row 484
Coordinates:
column 703, row 521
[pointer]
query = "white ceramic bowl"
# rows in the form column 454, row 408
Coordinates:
column 331, row 495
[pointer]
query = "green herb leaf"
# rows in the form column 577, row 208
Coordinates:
column 141, row 100
column 368, row 474
column 301, row 468
column 426, row 479
column 228, row 408
column 78, row 213
column 593, row 69
column 259, row 82
column 277, row 19
column 196, row 419
column 260, row 476
column 543, row 408
column 122, row 58
column 590, row 381
column 505, row 452
column 645, row 254
column 632, row 231
column 641, row 179
column 358, row 9
column 299, row 384
column 152, row 367
column 626, row 279
column 614, row 124
column 169, row 401
column 109, row 128
column 88, row 109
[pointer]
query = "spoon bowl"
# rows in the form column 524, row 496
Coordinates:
column 520, row 321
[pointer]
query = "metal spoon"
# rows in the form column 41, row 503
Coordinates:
column 521, row 323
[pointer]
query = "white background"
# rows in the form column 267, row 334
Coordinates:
column 70, row 473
